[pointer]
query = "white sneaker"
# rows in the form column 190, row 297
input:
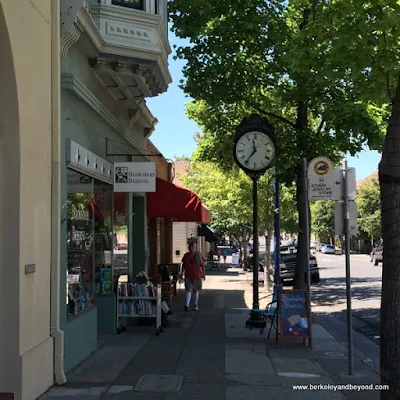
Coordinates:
column 196, row 308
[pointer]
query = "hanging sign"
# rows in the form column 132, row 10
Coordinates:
column 135, row 177
column 324, row 180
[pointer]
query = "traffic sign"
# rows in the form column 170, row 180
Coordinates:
column 351, row 183
column 339, row 220
column 324, row 180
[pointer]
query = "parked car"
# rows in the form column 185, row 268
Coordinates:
column 320, row 246
column 338, row 251
column 328, row 249
column 377, row 256
column 313, row 245
column 288, row 257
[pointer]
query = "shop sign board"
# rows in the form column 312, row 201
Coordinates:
column 324, row 180
column 135, row 177
column 293, row 314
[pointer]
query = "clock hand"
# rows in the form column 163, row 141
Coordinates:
column 251, row 155
column 254, row 145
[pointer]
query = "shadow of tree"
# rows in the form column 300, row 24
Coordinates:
column 369, row 315
column 331, row 291
column 222, row 273
column 365, row 321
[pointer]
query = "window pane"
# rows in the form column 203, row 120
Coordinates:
column 80, row 233
column 103, row 195
column 120, row 238
column 137, row 4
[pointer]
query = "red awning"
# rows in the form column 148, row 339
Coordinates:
column 179, row 203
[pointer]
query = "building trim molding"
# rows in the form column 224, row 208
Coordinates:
column 76, row 18
column 70, row 82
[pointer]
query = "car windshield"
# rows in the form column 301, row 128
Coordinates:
column 329, row 247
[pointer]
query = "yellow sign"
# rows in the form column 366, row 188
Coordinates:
column 321, row 167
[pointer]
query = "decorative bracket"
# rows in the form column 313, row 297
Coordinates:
column 71, row 28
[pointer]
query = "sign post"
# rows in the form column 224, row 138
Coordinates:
column 346, row 218
column 306, row 213
column 329, row 183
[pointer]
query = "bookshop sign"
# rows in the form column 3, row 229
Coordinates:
column 135, row 177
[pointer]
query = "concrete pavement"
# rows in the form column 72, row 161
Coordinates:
column 210, row 355
column 329, row 302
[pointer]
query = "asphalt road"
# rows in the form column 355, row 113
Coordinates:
column 329, row 296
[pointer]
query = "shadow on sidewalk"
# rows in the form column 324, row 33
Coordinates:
column 332, row 291
column 187, row 336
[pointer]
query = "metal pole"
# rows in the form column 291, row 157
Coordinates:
column 346, row 218
column 307, row 233
column 277, row 237
column 256, row 304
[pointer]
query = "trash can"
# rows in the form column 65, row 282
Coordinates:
column 235, row 259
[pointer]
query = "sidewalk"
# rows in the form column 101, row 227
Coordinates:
column 210, row 355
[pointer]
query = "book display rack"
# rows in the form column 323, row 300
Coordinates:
column 139, row 301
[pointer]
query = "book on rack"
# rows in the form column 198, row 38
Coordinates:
column 136, row 307
column 137, row 290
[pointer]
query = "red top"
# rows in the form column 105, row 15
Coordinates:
column 190, row 267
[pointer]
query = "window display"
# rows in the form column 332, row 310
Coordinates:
column 80, row 235
column 103, row 197
column 120, row 238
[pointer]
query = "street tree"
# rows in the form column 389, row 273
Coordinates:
column 369, row 209
column 253, row 56
column 289, row 221
column 229, row 198
column 323, row 220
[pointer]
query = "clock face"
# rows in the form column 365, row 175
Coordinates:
column 255, row 151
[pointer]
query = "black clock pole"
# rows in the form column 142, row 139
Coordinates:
column 256, row 304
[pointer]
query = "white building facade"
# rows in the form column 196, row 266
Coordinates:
column 91, row 66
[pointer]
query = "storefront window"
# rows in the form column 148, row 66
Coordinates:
column 80, row 235
column 120, row 237
column 103, row 197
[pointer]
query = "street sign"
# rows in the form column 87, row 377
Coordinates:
column 339, row 220
column 324, row 180
column 351, row 183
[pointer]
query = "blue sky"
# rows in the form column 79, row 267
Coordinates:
column 174, row 132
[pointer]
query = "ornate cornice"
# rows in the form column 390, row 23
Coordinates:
column 122, row 34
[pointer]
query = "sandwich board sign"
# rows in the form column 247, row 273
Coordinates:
column 324, row 180
column 293, row 316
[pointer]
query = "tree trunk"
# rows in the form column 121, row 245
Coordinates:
column 302, row 251
column 389, row 179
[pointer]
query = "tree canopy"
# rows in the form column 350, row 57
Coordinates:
column 369, row 208
column 323, row 220
column 259, row 56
